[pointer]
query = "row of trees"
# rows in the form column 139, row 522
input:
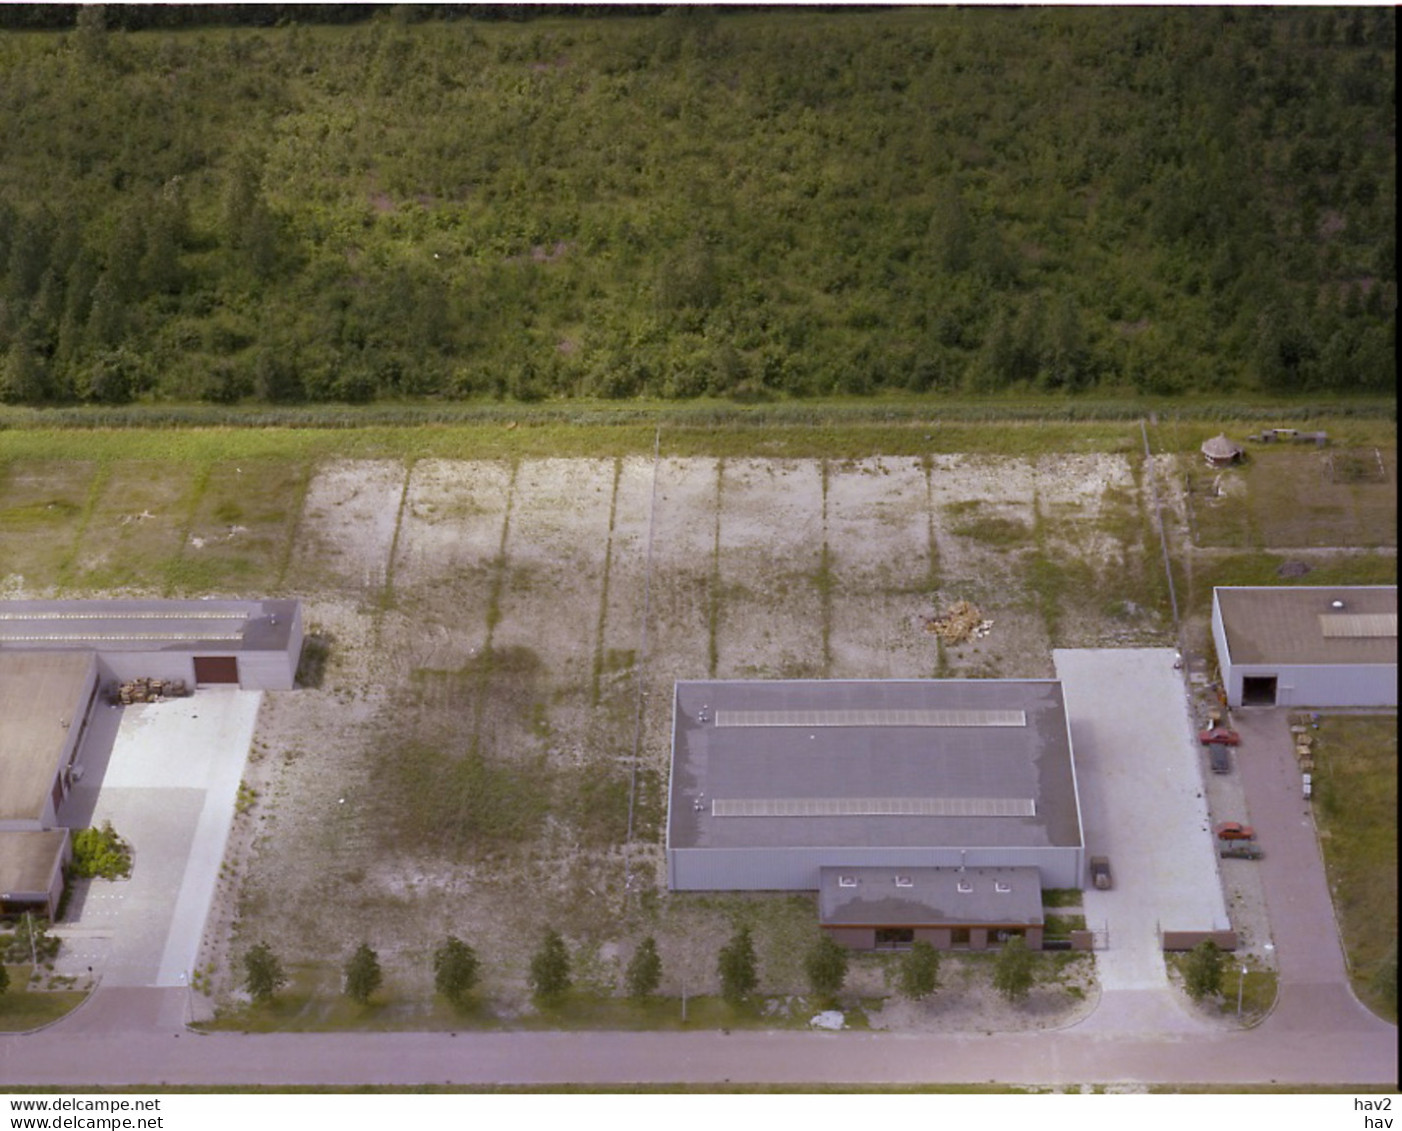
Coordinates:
column 456, row 970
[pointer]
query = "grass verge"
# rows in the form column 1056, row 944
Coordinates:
column 22, row 1009
column 1355, row 808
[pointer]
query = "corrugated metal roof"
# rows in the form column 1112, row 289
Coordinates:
column 1294, row 624
column 1358, row 624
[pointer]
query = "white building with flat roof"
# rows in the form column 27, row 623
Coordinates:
column 1307, row 645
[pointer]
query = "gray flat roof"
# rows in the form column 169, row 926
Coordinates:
column 147, row 625
column 41, row 698
column 27, row 860
column 1298, row 624
column 871, row 763
column 928, row 897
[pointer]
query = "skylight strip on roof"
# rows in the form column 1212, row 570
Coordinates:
column 888, row 717
column 201, row 614
column 874, row 807
column 1336, row 625
column 83, row 637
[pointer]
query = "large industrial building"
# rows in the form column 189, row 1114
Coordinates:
column 56, row 656
column 1307, row 646
column 932, row 809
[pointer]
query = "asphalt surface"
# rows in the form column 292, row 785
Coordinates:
column 90, row 1053
column 1314, row 980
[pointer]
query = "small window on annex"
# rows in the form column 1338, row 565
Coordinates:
column 892, row 937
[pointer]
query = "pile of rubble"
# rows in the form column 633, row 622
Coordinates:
column 149, row 690
column 959, row 623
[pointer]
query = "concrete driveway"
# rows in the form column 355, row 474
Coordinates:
column 1143, row 805
column 167, row 776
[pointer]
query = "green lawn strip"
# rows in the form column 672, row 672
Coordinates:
column 1176, row 424
column 22, row 1009
column 1258, row 986
column 797, row 429
column 1355, row 808
column 1259, row 568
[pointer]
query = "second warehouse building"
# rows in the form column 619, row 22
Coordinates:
column 917, row 809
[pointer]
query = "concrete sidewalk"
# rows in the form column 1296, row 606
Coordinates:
column 168, row 783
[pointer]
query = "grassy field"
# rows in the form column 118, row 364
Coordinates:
column 1356, row 808
column 474, row 590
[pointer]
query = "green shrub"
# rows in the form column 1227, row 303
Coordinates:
column 100, row 852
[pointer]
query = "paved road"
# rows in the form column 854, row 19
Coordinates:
column 155, row 1051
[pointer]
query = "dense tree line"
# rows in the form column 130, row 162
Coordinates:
column 792, row 203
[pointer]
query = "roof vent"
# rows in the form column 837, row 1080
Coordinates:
column 1337, row 606
column 965, row 887
column 846, row 881
column 904, row 882
column 999, row 885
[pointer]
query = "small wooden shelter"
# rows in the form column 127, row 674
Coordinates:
column 1221, row 452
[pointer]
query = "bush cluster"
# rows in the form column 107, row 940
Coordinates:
column 100, row 852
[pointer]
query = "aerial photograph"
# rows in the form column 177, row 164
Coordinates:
column 723, row 551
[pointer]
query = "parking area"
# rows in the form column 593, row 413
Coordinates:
column 167, row 776
column 1140, row 778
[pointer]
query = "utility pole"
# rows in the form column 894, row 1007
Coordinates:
column 1240, row 984
column 33, row 954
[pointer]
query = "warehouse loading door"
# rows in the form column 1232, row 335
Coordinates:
column 1258, row 691
column 216, row 669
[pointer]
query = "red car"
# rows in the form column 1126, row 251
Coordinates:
column 1219, row 736
column 1235, row 830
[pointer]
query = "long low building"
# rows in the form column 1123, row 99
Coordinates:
column 251, row 644
column 774, row 781
column 1307, row 646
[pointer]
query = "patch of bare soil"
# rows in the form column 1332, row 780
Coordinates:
column 967, row 1002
